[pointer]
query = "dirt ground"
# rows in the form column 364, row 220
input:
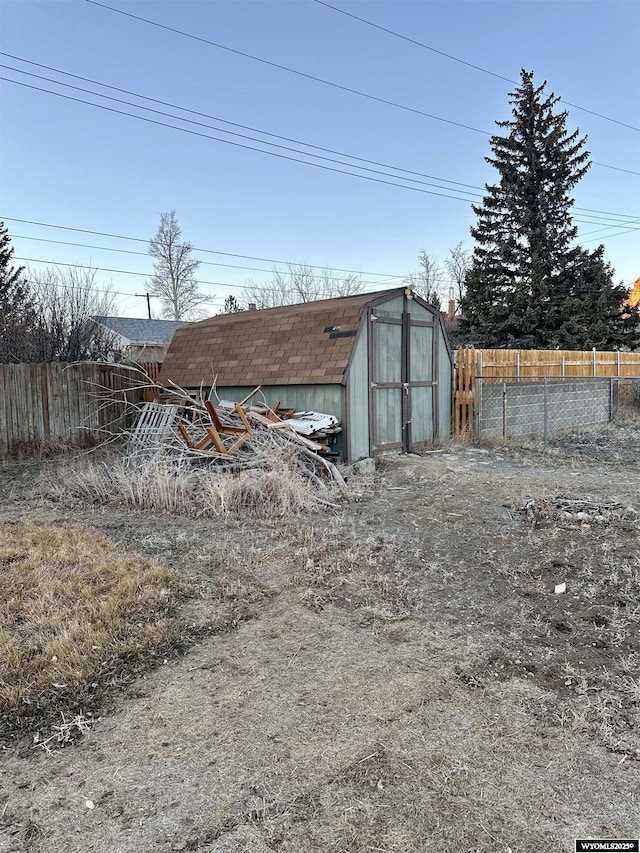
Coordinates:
column 398, row 675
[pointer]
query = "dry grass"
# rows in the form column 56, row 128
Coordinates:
column 404, row 679
column 176, row 487
column 352, row 577
column 77, row 613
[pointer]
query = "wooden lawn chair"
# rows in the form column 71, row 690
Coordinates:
column 213, row 434
column 218, row 429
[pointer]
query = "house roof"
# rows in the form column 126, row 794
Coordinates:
column 139, row 331
column 308, row 343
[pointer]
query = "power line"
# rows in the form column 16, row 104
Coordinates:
column 608, row 213
column 613, row 222
column 222, row 130
column 255, row 130
column 390, row 281
column 236, row 144
column 241, row 145
column 617, row 168
column 195, row 249
column 122, row 272
column 609, row 236
column 302, row 73
column 606, row 225
column 286, row 68
column 145, row 275
column 628, row 229
column 146, row 255
column 129, row 272
column 224, row 121
column 461, row 61
column 105, row 292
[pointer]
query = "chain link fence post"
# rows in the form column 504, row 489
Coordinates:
column 546, row 413
column 611, row 406
column 504, row 410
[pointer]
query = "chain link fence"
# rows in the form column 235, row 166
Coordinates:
column 547, row 406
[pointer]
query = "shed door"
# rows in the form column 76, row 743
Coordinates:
column 422, row 382
column 403, row 384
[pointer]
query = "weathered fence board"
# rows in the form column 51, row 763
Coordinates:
column 66, row 403
column 501, row 364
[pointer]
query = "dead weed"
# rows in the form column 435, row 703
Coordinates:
column 175, row 487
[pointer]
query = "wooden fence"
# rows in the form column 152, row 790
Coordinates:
column 60, row 403
column 464, row 390
column 475, row 367
column 500, row 364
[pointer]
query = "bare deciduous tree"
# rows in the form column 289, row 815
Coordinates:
column 173, row 279
column 427, row 281
column 300, row 283
column 458, row 264
column 64, row 305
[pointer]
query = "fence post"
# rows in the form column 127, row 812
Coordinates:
column 546, row 413
column 595, row 366
column 611, row 413
column 504, row 410
column 563, row 366
column 618, row 364
column 518, row 365
column 477, row 397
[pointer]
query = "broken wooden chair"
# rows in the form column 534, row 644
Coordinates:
column 213, row 434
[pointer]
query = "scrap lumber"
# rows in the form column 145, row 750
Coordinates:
column 286, row 430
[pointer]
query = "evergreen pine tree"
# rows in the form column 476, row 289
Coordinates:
column 529, row 286
column 15, row 305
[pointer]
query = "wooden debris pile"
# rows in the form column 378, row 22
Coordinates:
column 234, row 436
column 561, row 511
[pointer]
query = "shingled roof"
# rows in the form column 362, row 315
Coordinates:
column 139, row 331
column 308, row 343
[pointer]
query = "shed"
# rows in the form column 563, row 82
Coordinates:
column 380, row 362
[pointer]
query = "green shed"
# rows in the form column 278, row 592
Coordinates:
column 380, row 362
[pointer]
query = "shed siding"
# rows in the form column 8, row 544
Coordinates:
column 391, row 308
column 304, row 398
column 419, row 312
column 421, row 414
column 421, row 352
column 359, row 396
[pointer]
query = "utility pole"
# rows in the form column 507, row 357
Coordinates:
column 146, row 296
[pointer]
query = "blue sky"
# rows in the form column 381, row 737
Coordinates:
column 65, row 163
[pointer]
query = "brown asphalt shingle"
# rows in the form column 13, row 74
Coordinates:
column 274, row 346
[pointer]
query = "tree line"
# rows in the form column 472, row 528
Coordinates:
column 47, row 315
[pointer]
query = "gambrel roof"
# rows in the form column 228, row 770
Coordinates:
column 308, row 343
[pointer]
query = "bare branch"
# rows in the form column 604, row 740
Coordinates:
column 300, row 283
